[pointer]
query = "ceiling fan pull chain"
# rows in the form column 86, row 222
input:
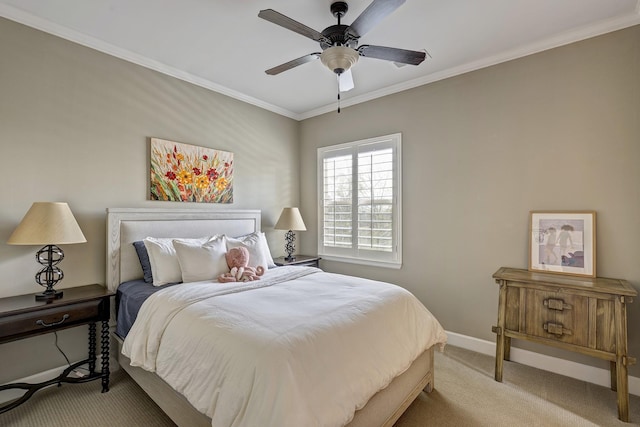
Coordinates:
column 338, row 80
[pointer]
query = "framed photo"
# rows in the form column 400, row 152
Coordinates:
column 563, row 242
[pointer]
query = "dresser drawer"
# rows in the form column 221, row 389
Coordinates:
column 558, row 316
column 47, row 320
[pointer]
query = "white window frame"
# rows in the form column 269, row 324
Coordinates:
column 391, row 259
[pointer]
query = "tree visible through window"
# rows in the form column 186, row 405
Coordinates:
column 359, row 188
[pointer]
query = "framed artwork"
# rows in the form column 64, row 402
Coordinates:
column 188, row 173
column 563, row 242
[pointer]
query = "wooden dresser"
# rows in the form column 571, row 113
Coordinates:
column 581, row 314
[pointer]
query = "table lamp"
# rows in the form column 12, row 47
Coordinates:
column 49, row 224
column 290, row 219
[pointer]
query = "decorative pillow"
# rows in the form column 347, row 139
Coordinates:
column 143, row 256
column 165, row 267
column 201, row 261
column 258, row 247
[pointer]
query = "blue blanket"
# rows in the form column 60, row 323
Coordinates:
column 129, row 299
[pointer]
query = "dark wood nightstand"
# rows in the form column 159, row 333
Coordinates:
column 22, row 316
column 302, row 260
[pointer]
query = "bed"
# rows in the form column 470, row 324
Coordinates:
column 386, row 400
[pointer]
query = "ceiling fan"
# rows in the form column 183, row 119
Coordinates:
column 339, row 42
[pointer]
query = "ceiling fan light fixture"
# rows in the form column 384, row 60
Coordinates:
column 339, row 58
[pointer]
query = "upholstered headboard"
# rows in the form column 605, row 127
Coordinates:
column 127, row 225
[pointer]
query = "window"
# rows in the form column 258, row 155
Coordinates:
column 360, row 205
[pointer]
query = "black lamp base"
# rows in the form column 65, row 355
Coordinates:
column 290, row 247
column 49, row 256
column 49, row 295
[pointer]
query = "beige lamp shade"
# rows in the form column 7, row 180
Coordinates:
column 290, row 219
column 47, row 223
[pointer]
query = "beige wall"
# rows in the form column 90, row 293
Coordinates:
column 74, row 126
column 555, row 130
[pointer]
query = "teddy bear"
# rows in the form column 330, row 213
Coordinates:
column 238, row 262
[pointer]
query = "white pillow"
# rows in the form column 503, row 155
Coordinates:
column 201, row 261
column 165, row 267
column 258, row 247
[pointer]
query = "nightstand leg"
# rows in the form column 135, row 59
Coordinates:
column 105, row 355
column 92, row 347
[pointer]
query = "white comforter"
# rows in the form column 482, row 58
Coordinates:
column 300, row 347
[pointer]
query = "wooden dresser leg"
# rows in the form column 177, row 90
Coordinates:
column 623, row 390
column 499, row 357
column 499, row 331
column 622, row 384
column 507, row 348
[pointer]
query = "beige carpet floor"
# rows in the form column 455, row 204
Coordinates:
column 465, row 395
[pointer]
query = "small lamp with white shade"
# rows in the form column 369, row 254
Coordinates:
column 291, row 220
column 49, row 224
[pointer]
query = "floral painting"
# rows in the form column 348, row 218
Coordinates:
column 188, row 173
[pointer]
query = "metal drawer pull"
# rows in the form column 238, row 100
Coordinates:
column 556, row 304
column 556, row 329
column 46, row 325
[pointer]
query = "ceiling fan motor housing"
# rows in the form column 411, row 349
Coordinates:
column 338, row 36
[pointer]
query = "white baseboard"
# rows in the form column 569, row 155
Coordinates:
column 575, row 370
column 9, row 395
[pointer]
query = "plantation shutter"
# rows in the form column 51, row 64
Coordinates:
column 359, row 212
column 338, row 201
column 375, row 200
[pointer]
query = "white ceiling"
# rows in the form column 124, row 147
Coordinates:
column 223, row 45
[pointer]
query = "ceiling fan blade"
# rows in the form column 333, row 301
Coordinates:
column 403, row 56
column 293, row 63
column 290, row 24
column 345, row 81
column 372, row 15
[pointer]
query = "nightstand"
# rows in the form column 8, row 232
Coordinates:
column 300, row 260
column 22, row 316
